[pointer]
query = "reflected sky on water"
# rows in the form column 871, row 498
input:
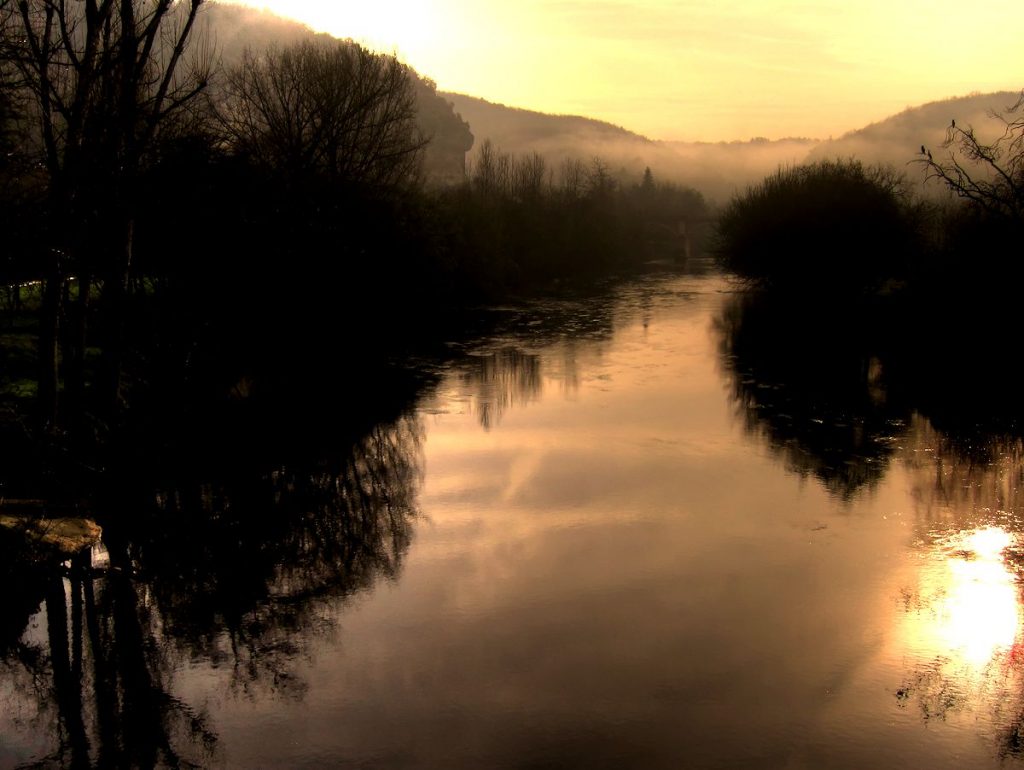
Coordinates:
column 620, row 532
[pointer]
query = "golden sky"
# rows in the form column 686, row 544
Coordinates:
column 695, row 69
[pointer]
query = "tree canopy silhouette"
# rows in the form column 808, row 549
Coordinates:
column 101, row 79
column 837, row 224
column 331, row 109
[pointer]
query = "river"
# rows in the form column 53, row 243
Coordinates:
column 641, row 529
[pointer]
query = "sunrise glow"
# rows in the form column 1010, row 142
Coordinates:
column 410, row 28
column 698, row 70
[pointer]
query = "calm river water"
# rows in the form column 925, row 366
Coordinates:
column 640, row 530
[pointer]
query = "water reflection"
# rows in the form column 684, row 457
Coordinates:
column 805, row 381
column 615, row 576
column 236, row 577
column 499, row 381
column 506, row 372
column 961, row 622
column 88, row 683
column 971, row 599
column 962, row 628
column 835, row 400
column 965, row 480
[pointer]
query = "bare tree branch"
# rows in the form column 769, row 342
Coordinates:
column 987, row 174
column 333, row 109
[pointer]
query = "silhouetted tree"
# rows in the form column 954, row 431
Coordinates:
column 103, row 77
column 833, row 224
column 573, row 176
column 449, row 136
column 990, row 175
column 978, row 233
column 648, row 180
column 600, row 182
column 328, row 109
column 16, row 188
column 7, row 114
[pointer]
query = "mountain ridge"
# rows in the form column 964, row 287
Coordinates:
column 724, row 168
column 718, row 169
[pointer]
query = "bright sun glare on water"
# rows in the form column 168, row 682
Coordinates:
column 973, row 597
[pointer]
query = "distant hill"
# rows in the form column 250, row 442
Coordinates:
column 720, row 169
column 527, row 130
column 558, row 137
column 232, row 29
column 898, row 139
column 717, row 169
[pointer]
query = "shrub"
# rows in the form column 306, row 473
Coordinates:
column 835, row 224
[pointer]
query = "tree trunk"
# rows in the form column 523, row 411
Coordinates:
column 67, row 689
column 104, row 683
column 48, row 350
column 115, row 302
column 77, row 336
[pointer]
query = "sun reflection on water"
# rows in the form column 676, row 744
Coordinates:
column 970, row 600
column 978, row 617
column 961, row 639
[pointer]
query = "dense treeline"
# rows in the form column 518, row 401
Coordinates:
column 516, row 222
column 844, row 227
column 174, row 227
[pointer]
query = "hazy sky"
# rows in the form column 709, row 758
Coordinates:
column 696, row 69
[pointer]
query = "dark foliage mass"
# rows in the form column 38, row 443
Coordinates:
column 873, row 309
column 982, row 225
column 239, row 566
column 834, row 223
column 808, row 379
column 844, row 227
column 176, row 220
column 833, row 386
column 335, row 111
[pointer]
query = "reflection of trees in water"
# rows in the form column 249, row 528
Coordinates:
column 242, row 573
column 981, row 481
column 938, row 692
column 571, row 331
column 96, row 681
column 509, row 378
column 835, row 391
column 502, row 376
column 505, row 376
column 967, row 492
column 803, row 379
column 832, row 401
column 952, row 683
column 238, row 570
column 499, row 381
column 266, row 557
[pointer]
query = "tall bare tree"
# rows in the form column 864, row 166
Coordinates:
column 103, row 77
column 326, row 109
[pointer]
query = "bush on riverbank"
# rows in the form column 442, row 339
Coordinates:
column 836, row 225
